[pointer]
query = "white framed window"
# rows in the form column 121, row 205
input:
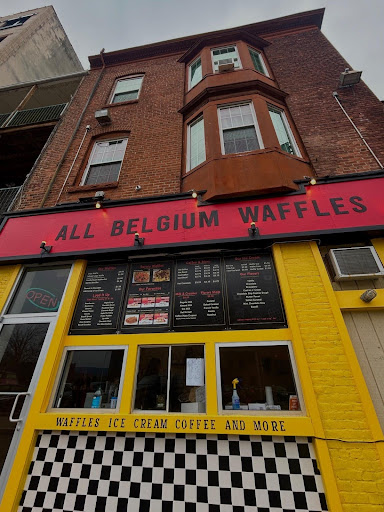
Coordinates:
column 258, row 61
column 90, row 378
column 239, row 131
column 105, row 162
column 267, row 375
column 283, row 131
column 195, row 73
column 196, row 143
column 127, row 89
column 225, row 55
column 170, row 378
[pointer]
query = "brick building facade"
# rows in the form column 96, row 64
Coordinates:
column 236, row 241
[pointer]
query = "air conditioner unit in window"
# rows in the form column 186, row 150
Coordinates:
column 102, row 116
column 356, row 263
column 226, row 65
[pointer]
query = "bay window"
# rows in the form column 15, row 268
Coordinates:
column 196, row 143
column 283, row 131
column 239, row 130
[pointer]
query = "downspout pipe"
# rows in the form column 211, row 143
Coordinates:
column 336, row 96
column 53, row 179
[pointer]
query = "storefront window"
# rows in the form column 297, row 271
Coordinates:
column 171, row 379
column 264, row 374
column 90, row 379
column 40, row 291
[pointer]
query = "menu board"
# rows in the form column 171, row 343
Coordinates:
column 97, row 308
column 252, row 291
column 198, row 293
column 149, row 295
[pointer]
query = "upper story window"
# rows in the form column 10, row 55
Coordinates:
column 225, row 56
column 239, row 130
column 195, row 73
column 196, row 143
column 283, row 131
column 105, row 162
column 127, row 89
column 258, row 61
column 15, row 22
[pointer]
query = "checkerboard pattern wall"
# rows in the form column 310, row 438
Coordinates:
column 137, row 472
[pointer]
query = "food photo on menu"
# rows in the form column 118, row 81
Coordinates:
column 148, row 299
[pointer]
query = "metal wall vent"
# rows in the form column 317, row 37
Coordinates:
column 356, row 263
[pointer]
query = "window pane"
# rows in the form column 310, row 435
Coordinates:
column 20, row 347
column 256, row 59
column 125, row 96
column 40, row 290
column 224, row 56
column 103, row 173
column 152, row 378
column 127, row 89
column 91, row 379
column 265, row 375
column 197, row 143
column 187, row 385
column 281, row 131
column 196, row 74
column 240, row 140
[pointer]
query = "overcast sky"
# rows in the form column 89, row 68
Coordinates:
column 354, row 27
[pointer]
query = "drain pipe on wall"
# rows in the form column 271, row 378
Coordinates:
column 49, row 188
column 336, row 96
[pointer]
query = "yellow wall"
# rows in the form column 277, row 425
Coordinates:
column 339, row 412
column 349, row 422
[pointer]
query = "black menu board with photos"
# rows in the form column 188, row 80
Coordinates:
column 98, row 305
column 198, row 293
column 148, row 301
column 252, row 292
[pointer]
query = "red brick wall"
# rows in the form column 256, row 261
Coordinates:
column 308, row 67
column 153, row 125
column 305, row 65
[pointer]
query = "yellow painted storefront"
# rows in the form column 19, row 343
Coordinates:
column 338, row 413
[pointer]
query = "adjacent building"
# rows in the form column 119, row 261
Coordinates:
column 39, row 74
column 192, row 285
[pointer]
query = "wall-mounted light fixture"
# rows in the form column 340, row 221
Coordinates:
column 253, row 231
column 311, row 181
column 138, row 240
column 349, row 77
column 45, row 249
column 194, row 194
column 368, row 295
column 98, row 199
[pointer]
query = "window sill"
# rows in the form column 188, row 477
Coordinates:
column 121, row 103
column 88, row 188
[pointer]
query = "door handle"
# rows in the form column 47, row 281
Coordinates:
column 11, row 418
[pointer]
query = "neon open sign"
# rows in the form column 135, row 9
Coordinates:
column 43, row 299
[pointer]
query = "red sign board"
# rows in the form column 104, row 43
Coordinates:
column 333, row 207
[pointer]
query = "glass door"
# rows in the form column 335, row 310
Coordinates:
column 26, row 330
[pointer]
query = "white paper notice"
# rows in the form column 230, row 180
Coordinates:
column 195, row 372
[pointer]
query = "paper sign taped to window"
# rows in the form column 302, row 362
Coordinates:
column 195, row 372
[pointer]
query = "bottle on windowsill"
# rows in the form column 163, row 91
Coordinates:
column 96, row 400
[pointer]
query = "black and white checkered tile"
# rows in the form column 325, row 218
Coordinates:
column 137, row 472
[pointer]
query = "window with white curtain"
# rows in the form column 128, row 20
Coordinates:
column 195, row 73
column 196, row 143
